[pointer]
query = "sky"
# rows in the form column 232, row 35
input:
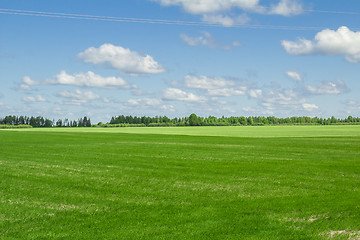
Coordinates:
column 68, row 59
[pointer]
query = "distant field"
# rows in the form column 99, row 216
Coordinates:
column 290, row 182
column 241, row 131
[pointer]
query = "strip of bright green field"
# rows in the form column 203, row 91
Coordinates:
column 231, row 131
column 107, row 184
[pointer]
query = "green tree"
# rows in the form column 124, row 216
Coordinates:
column 194, row 120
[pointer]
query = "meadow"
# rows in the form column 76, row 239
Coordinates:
column 268, row 182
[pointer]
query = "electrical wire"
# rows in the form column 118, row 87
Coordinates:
column 157, row 21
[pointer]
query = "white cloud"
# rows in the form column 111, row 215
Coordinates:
column 204, row 82
column 26, row 83
column 37, row 98
column 168, row 108
column 145, row 102
column 282, row 99
column 206, row 40
column 216, row 11
column 225, row 20
column 78, row 97
column 211, row 6
column 334, row 88
column 226, row 92
column 213, row 11
column 123, row 59
column 287, row 8
column 294, row 75
column 214, row 86
column 176, row 94
column 255, row 93
column 89, row 79
column 328, row 42
column 310, row 107
column 27, row 80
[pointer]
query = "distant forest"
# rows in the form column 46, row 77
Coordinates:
column 36, row 122
column 163, row 121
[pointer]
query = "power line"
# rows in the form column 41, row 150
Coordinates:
column 333, row 12
column 148, row 21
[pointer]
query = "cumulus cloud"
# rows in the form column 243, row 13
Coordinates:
column 287, row 8
column 31, row 99
column 88, row 79
column 78, row 97
column 328, row 42
column 206, row 39
column 310, row 107
column 214, row 86
column 327, row 87
column 294, row 75
column 117, row 57
column 175, row 94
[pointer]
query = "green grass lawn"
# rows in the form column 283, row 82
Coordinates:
column 291, row 182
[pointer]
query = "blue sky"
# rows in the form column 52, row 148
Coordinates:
column 177, row 57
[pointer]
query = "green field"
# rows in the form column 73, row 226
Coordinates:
column 289, row 182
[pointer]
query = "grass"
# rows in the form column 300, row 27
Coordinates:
column 181, row 183
column 228, row 131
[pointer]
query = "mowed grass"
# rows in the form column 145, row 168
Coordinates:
column 227, row 131
column 106, row 184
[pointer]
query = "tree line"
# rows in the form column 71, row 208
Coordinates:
column 163, row 121
column 194, row 120
column 40, row 121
